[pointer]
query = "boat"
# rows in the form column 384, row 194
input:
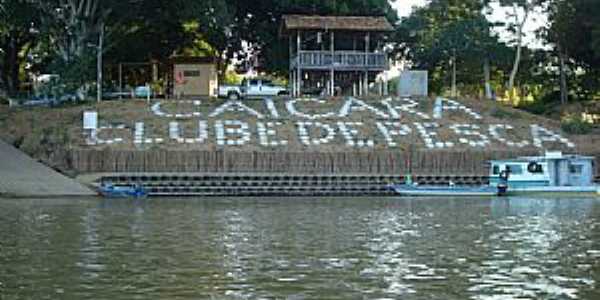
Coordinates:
column 109, row 190
column 553, row 173
column 446, row 191
column 413, row 189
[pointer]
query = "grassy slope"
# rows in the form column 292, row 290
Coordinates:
column 46, row 133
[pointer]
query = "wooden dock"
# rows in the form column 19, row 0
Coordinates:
column 275, row 184
column 196, row 184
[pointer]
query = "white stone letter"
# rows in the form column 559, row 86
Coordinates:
column 349, row 131
column 353, row 104
column 227, row 128
column 291, row 107
column 442, row 105
column 157, row 110
column 428, row 136
column 139, row 135
column 270, row 104
column 176, row 133
column 267, row 130
column 494, row 128
column 305, row 137
column 406, row 105
column 541, row 135
column 389, row 134
column 470, row 130
column 235, row 106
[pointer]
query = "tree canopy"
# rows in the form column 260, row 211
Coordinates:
column 448, row 34
column 452, row 39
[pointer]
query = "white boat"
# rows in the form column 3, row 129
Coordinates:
column 447, row 191
column 552, row 173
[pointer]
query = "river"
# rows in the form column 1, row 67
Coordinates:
column 388, row 248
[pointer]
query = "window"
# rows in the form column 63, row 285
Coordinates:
column 253, row 82
column 539, row 169
column 496, row 169
column 191, row 73
column 576, row 169
column 535, row 168
column 267, row 83
column 515, row 169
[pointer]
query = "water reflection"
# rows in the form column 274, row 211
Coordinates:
column 528, row 245
column 515, row 248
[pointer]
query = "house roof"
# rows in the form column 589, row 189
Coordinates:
column 348, row 23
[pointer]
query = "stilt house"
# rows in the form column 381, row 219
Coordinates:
column 335, row 53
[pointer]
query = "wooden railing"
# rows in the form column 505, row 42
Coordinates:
column 340, row 60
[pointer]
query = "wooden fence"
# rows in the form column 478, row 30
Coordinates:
column 376, row 162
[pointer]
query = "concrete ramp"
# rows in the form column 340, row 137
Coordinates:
column 21, row 176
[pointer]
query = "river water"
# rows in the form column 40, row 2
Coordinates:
column 517, row 248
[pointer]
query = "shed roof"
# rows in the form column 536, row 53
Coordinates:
column 206, row 60
column 349, row 23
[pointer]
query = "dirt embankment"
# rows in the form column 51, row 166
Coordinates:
column 55, row 136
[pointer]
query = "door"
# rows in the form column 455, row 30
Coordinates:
column 267, row 88
column 204, row 80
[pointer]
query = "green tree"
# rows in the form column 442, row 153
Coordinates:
column 573, row 32
column 18, row 29
column 451, row 37
column 160, row 29
column 519, row 14
column 561, row 14
column 69, row 30
column 74, row 30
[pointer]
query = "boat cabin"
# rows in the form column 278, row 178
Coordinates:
column 552, row 170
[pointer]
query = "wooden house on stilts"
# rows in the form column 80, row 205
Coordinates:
column 335, row 54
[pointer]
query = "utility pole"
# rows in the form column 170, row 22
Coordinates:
column 454, row 73
column 99, row 50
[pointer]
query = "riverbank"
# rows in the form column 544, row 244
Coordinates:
column 297, row 136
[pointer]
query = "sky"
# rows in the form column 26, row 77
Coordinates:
column 404, row 8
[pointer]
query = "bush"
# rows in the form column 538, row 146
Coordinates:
column 538, row 107
column 576, row 125
column 500, row 113
column 232, row 78
column 393, row 85
column 544, row 105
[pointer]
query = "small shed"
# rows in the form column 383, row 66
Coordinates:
column 195, row 76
